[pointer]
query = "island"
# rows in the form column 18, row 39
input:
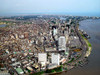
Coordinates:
column 42, row 44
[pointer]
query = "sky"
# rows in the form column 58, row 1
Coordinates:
column 8, row 7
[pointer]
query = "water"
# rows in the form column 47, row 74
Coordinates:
column 92, row 27
column 3, row 25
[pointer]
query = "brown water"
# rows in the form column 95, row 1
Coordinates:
column 92, row 27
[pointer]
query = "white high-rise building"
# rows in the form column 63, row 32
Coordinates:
column 54, row 31
column 42, row 57
column 62, row 43
column 55, row 58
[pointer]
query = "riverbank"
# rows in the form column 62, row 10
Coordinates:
column 91, row 27
column 88, row 52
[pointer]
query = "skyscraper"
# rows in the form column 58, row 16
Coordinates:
column 62, row 43
column 55, row 58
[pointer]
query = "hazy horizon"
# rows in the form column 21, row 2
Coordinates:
column 61, row 7
column 53, row 13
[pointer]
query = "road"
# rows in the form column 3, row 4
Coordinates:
column 83, row 46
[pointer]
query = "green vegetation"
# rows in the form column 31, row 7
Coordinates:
column 50, row 71
column 65, row 68
column 38, row 73
column 29, row 50
column 29, row 71
column 53, row 22
column 80, row 62
column 55, row 70
column 59, row 69
column 75, row 65
column 7, row 22
column 71, row 60
column 88, row 44
column 72, row 30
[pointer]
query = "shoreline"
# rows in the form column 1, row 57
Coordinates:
column 88, row 52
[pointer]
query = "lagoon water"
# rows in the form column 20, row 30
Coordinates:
column 92, row 27
column 3, row 25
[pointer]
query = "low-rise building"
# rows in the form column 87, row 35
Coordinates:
column 19, row 71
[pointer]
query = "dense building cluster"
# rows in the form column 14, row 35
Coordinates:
column 38, row 43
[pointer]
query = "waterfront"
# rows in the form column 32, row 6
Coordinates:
column 93, row 66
